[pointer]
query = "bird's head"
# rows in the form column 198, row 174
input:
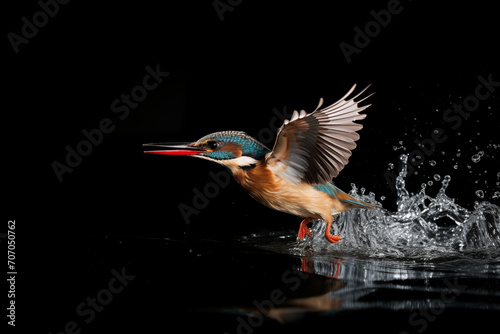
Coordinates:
column 234, row 149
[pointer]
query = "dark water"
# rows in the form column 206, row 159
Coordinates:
column 260, row 284
column 430, row 266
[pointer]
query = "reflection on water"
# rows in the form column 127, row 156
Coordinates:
column 357, row 282
column 398, row 284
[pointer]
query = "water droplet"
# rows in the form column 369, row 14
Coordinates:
column 496, row 194
column 394, row 148
column 481, row 153
column 430, row 183
column 480, row 193
column 476, row 157
column 382, row 198
column 458, row 154
column 432, row 163
column 437, row 177
column 444, row 183
column 455, row 167
column 498, row 174
column 391, row 165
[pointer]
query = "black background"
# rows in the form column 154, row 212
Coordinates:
column 226, row 75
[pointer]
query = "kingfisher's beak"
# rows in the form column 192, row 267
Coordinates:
column 174, row 149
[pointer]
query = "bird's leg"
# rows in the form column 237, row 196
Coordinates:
column 329, row 236
column 303, row 229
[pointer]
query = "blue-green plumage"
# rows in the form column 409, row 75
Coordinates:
column 328, row 188
column 336, row 193
column 249, row 146
column 220, row 155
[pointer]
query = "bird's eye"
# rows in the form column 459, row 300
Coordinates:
column 213, row 145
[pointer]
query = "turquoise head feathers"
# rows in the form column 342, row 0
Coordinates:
column 227, row 145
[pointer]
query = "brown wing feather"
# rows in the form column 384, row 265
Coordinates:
column 318, row 145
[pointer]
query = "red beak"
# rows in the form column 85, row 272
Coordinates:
column 174, row 149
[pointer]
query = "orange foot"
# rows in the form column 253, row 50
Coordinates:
column 329, row 236
column 303, row 229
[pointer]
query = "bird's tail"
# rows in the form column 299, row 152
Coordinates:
column 347, row 200
column 351, row 202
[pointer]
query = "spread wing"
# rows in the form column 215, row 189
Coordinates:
column 315, row 147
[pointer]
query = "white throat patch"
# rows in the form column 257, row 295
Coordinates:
column 232, row 163
column 239, row 162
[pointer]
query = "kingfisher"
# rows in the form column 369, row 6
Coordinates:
column 295, row 176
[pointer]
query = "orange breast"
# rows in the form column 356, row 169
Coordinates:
column 301, row 200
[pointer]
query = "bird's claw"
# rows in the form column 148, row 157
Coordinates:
column 303, row 229
column 332, row 238
column 329, row 236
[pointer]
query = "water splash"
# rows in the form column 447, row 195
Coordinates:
column 423, row 227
